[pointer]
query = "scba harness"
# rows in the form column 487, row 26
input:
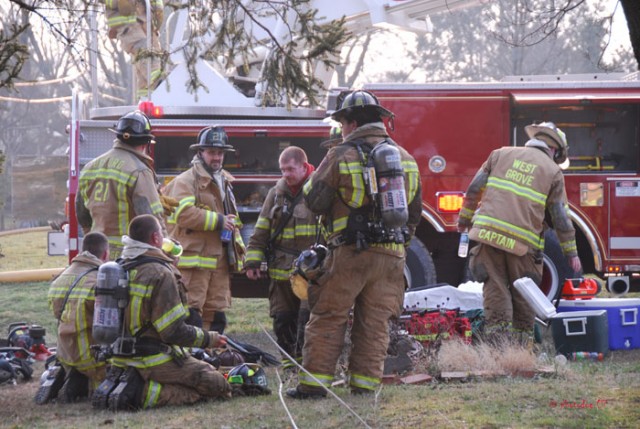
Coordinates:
column 384, row 220
column 122, row 388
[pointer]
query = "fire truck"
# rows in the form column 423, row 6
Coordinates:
column 449, row 128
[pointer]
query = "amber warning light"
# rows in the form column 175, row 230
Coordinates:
column 151, row 110
column 449, row 202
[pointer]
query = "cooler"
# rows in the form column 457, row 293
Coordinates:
column 622, row 314
column 580, row 331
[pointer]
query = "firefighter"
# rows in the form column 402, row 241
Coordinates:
column 207, row 225
column 71, row 299
column 364, row 269
column 155, row 319
column 284, row 228
column 127, row 22
column 121, row 184
column 505, row 208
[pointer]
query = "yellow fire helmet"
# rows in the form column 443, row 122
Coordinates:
column 308, row 267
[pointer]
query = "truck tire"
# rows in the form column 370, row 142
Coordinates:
column 556, row 268
column 419, row 269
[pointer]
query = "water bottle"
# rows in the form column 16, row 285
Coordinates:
column 171, row 247
column 225, row 235
column 593, row 356
column 463, row 247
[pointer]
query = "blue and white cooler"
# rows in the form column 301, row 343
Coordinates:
column 622, row 317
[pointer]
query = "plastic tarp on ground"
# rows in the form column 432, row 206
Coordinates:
column 467, row 296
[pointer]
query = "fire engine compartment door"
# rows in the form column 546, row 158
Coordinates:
column 624, row 200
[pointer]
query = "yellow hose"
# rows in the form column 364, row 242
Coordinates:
column 45, row 274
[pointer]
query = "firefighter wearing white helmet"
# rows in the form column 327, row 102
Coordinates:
column 505, row 207
column 120, row 184
column 207, row 225
column 364, row 268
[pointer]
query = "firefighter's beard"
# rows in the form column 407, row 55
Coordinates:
column 213, row 167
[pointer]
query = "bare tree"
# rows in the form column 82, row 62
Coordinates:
column 217, row 32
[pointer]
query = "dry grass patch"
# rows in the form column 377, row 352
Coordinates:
column 482, row 357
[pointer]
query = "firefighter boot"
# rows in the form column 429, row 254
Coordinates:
column 127, row 396
column 304, row 392
column 75, row 388
column 100, row 397
column 52, row 381
column 285, row 327
column 219, row 322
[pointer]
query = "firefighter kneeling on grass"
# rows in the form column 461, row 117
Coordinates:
column 150, row 368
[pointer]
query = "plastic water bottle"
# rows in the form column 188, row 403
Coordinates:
column 593, row 356
column 225, row 235
column 463, row 247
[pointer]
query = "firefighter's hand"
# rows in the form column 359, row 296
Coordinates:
column 168, row 204
column 216, row 340
column 254, row 273
column 229, row 222
column 575, row 264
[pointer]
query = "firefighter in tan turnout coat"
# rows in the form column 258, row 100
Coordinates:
column 512, row 191
column 120, row 184
column 206, row 211
column 364, row 269
column 284, row 228
column 156, row 317
column 72, row 300
column 127, row 22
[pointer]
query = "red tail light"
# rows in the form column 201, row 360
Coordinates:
column 449, row 202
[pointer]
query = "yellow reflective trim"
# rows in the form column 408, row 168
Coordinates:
column 153, row 394
column 529, row 236
column 323, row 378
column 169, row 318
column 263, row 223
column 364, row 382
column 521, row 191
column 183, row 204
column 255, row 255
column 142, row 361
column 198, row 262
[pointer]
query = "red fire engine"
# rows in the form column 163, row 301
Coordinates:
column 450, row 130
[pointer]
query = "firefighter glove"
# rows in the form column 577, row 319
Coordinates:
column 168, row 204
column 216, row 340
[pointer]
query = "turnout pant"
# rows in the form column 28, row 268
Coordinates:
column 190, row 382
column 504, row 306
column 372, row 284
column 290, row 315
column 208, row 291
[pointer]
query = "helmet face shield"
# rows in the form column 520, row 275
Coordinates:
column 131, row 125
column 134, row 128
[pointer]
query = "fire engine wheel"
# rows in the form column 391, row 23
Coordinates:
column 419, row 269
column 555, row 269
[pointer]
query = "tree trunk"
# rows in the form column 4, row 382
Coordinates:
column 632, row 13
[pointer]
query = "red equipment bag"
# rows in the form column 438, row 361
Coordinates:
column 580, row 288
column 430, row 326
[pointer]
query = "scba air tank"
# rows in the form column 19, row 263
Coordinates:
column 112, row 296
column 392, row 197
